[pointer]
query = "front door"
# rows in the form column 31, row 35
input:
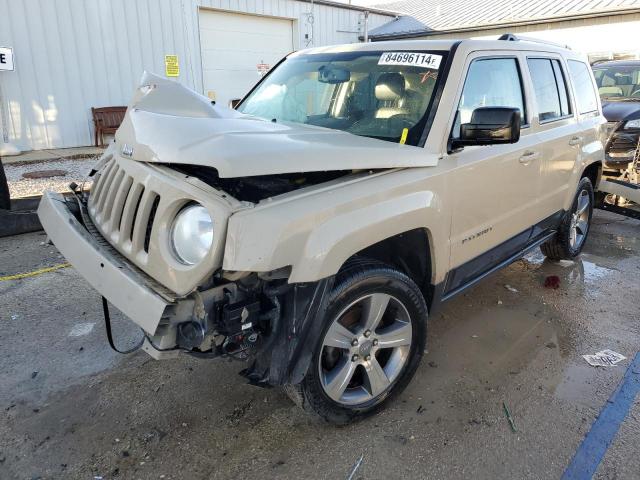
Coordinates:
column 494, row 188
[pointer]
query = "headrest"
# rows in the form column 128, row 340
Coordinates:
column 608, row 81
column 611, row 91
column 390, row 86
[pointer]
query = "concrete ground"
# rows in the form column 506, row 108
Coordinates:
column 71, row 408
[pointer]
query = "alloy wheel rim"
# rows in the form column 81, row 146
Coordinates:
column 580, row 220
column 365, row 349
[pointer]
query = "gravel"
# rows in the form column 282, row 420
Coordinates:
column 77, row 171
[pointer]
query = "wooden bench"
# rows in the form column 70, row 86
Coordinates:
column 106, row 120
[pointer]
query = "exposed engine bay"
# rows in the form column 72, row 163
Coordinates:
column 256, row 188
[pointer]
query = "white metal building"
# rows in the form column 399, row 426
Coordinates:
column 71, row 55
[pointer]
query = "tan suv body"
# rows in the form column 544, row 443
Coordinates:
column 355, row 188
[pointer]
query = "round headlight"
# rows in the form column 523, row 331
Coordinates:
column 192, row 234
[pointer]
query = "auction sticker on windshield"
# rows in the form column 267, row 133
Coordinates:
column 424, row 60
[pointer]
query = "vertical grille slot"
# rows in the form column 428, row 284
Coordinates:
column 118, row 205
column 105, row 192
column 152, row 216
column 129, row 211
column 134, row 218
column 99, row 184
column 142, row 219
column 110, row 197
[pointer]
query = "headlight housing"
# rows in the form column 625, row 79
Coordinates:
column 192, row 234
column 632, row 124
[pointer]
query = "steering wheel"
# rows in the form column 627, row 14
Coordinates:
column 636, row 93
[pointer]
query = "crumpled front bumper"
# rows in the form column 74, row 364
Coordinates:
column 125, row 288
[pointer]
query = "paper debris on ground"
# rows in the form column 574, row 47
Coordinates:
column 511, row 289
column 604, row 358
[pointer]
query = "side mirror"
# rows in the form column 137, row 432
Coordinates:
column 234, row 103
column 490, row 126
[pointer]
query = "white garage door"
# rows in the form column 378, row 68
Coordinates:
column 234, row 44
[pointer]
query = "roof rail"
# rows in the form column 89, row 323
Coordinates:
column 510, row 37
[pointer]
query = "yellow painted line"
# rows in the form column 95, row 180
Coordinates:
column 35, row 273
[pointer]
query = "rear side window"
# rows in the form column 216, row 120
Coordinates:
column 491, row 82
column 550, row 88
column 585, row 93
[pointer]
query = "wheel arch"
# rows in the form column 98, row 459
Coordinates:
column 410, row 252
column 593, row 172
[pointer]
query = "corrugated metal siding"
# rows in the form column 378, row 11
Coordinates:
column 435, row 15
column 71, row 55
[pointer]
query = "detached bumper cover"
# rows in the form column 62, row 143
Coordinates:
column 126, row 289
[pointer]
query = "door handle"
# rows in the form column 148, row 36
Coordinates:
column 575, row 141
column 528, row 157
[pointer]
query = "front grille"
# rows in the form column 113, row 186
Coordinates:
column 132, row 204
column 123, row 209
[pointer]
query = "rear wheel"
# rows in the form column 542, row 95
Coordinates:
column 573, row 231
column 371, row 344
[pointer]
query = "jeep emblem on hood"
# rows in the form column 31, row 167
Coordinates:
column 127, row 151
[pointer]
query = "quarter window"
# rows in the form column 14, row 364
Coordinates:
column 585, row 93
column 491, row 82
column 550, row 88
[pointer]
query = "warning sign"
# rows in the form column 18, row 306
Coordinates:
column 263, row 68
column 6, row 58
column 171, row 66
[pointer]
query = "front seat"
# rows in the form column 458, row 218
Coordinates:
column 390, row 89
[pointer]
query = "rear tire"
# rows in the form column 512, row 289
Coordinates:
column 574, row 229
column 372, row 340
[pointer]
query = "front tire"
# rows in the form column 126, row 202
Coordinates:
column 573, row 231
column 372, row 340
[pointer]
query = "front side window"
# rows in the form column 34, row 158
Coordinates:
column 384, row 95
column 490, row 82
column 550, row 88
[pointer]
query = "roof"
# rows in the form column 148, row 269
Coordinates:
column 467, row 45
column 425, row 17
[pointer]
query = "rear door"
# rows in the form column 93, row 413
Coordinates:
column 558, row 131
column 493, row 188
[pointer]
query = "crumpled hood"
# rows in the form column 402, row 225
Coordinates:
column 168, row 123
column 617, row 111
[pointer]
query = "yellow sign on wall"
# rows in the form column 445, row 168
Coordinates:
column 171, row 66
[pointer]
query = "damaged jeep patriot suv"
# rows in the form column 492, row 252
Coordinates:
column 311, row 231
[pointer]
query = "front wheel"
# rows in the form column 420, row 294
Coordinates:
column 372, row 341
column 572, row 233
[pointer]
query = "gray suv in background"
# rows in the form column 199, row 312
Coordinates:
column 619, row 88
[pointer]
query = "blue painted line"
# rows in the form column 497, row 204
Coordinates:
column 603, row 431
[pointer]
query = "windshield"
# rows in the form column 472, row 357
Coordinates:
column 618, row 82
column 384, row 95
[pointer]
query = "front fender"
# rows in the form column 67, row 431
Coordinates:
column 315, row 233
